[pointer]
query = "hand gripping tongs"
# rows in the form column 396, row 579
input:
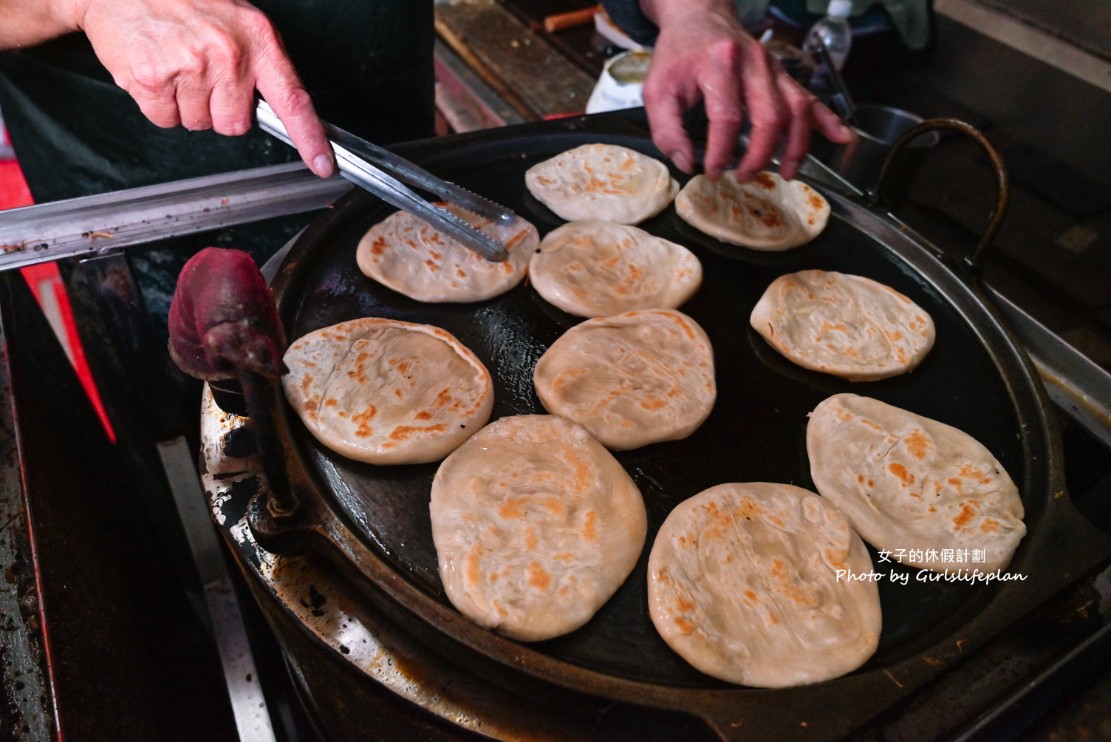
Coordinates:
column 381, row 172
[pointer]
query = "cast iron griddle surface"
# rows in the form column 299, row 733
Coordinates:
column 755, row 433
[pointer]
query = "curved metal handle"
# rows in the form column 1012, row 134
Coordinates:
column 1003, row 184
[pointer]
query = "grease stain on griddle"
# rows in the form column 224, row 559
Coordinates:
column 240, row 443
column 315, row 602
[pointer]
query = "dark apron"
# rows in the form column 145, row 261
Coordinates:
column 368, row 65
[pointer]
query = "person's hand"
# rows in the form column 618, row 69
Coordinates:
column 198, row 64
column 704, row 54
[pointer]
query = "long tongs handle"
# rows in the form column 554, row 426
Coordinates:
column 382, row 184
column 840, row 99
column 418, row 177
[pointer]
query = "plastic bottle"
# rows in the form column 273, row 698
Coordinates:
column 834, row 30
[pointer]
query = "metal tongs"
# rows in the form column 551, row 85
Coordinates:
column 381, row 172
column 839, row 99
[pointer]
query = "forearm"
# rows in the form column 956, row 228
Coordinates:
column 643, row 19
column 30, row 22
column 667, row 12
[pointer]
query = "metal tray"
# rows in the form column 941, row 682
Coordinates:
column 373, row 521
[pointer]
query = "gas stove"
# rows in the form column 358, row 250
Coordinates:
column 325, row 660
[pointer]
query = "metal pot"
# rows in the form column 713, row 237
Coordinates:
column 877, row 128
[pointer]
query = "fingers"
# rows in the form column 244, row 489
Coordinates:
column 230, row 84
column 665, row 121
column 795, row 147
column 193, row 105
column 160, row 108
column 149, row 83
column 280, row 85
column 199, row 66
column 722, row 99
column 294, row 107
column 796, row 142
column 830, row 125
column 807, row 114
column 292, row 104
column 231, row 107
column 766, row 110
column 712, row 60
column 669, row 90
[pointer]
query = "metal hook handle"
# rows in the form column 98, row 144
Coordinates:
column 1003, row 185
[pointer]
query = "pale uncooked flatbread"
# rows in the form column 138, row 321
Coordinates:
column 387, row 392
column 631, row 379
column 602, row 181
column 914, row 487
column 596, row 269
column 765, row 213
column 845, row 325
column 535, row 525
column 752, row 583
column 412, row 257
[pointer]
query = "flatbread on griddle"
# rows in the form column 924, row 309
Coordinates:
column 602, row 181
column 765, row 213
column 631, row 379
column 845, row 325
column 387, row 392
column 535, row 525
column 750, row 583
column 412, row 257
column 597, row 269
column 924, row 491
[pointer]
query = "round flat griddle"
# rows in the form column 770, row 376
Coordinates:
column 374, row 522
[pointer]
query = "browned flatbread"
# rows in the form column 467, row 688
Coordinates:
column 927, row 493
column 632, row 379
column 598, row 269
column 386, row 391
column 536, row 525
column 602, row 181
column 848, row 326
column 412, row 257
column 765, row 585
column 765, row 213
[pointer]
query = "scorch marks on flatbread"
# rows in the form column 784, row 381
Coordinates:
column 765, row 213
column 913, row 486
column 387, row 392
column 597, row 269
column 845, row 325
column 750, row 583
column 535, row 525
column 631, row 379
column 602, row 181
column 412, row 257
